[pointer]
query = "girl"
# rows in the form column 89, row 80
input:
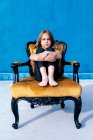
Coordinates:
column 45, row 61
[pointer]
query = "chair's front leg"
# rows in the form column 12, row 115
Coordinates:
column 78, row 104
column 14, row 107
column 32, row 105
column 62, row 104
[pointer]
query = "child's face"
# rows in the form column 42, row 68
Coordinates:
column 45, row 41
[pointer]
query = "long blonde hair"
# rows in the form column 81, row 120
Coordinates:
column 38, row 43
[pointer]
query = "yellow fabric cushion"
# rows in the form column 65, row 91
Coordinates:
column 29, row 87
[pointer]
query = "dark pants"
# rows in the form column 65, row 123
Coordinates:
column 46, row 64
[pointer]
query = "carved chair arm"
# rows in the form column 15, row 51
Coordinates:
column 76, row 66
column 15, row 66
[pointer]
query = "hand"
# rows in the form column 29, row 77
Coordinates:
column 39, row 56
column 42, row 56
column 50, row 57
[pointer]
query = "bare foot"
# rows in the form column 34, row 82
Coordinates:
column 44, row 82
column 53, row 83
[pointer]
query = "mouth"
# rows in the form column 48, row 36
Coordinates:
column 46, row 44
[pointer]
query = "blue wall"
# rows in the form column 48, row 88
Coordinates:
column 68, row 20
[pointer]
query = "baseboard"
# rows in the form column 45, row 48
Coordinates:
column 81, row 75
column 9, row 76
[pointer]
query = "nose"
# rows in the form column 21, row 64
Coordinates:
column 46, row 40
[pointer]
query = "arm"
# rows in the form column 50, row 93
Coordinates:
column 39, row 56
column 15, row 67
column 76, row 66
column 46, row 56
column 53, row 56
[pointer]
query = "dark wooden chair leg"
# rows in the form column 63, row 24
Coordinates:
column 77, row 108
column 14, row 107
column 62, row 104
column 78, row 104
column 32, row 105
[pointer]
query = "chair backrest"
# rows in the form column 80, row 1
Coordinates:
column 59, row 46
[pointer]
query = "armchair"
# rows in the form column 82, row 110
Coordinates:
column 29, row 90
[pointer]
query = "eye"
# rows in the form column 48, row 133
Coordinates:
column 43, row 38
column 48, row 39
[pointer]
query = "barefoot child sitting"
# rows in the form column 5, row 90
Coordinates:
column 45, row 68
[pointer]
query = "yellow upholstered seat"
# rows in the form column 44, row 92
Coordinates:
column 29, row 88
